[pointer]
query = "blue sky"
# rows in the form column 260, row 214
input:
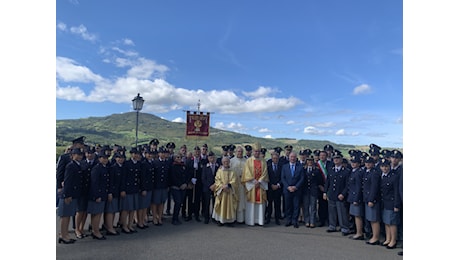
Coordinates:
column 321, row 70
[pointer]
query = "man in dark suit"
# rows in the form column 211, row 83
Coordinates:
column 292, row 177
column 323, row 164
column 274, row 188
column 207, row 178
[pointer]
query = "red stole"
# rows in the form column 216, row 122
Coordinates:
column 257, row 175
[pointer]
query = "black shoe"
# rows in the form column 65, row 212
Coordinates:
column 220, row 224
column 126, row 232
column 400, row 253
column 188, row 218
column 137, row 225
column 321, row 224
column 108, row 233
column 176, row 222
column 80, row 236
column 346, row 233
column 230, row 225
column 277, row 222
column 356, row 238
column 288, row 224
column 391, row 247
column 206, row 221
column 373, row 243
column 198, row 219
column 267, row 222
column 62, row 240
column 98, row 238
column 331, row 230
column 296, row 225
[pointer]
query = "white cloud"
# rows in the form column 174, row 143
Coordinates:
column 62, row 26
column 178, row 120
column 268, row 137
column 264, row 130
column 144, row 76
column 362, row 89
column 83, row 32
column 290, row 122
column 312, row 130
column 144, row 69
column 260, row 92
column 340, row 132
column 128, row 42
column 237, row 127
column 69, row 70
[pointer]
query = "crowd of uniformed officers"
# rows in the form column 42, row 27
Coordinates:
column 360, row 196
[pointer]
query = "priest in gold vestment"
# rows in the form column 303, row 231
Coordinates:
column 226, row 194
column 255, row 181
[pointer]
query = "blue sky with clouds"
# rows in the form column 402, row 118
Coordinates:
column 322, row 70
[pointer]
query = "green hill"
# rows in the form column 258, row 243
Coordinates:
column 121, row 129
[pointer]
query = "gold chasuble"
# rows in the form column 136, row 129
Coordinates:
column 226, row 196
column 255, row 169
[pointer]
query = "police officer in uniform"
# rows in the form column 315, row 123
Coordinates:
column 336, row 191
column 69, row 195
column 248, row 149
column 130, row 188
column 100, row 192
column 160, row 185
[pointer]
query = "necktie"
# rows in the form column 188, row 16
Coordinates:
column 292, row 170
column 274, row 167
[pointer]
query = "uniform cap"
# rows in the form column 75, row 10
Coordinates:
column 384, row 161
column 328, row 147
column 162, row 149
column 396, row 154
column 355, row 159
column 278, row 149
column 134, row 150
column 154, row 141
column 337, row 154
column 170, row 145
column 79, row 140
column 288, row 147
column 90, row 150
column 76, row 151
column 211, row 153
column 369, row 159
column 374, row 146
column 263, row 150
column 225, row 148
column 231, row 147
column 316, row 152
column 248, row 147
column 374, row 151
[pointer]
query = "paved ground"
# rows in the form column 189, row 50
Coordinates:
column 196, row 240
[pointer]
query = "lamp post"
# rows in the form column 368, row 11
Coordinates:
column 138, row 102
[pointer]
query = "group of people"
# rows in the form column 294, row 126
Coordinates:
column 362, row 195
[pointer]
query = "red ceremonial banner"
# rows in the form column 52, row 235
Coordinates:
column 197, row 125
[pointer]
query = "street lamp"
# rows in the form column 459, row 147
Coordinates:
column 138, row 102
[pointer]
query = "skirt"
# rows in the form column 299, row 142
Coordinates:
column 144, row 201
column 160, row 196
column 129, row 202
column 67, row 210
column 95, row 207
column 390, row 217
column 112, row 206
column 357, row 210
column 373, row 214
